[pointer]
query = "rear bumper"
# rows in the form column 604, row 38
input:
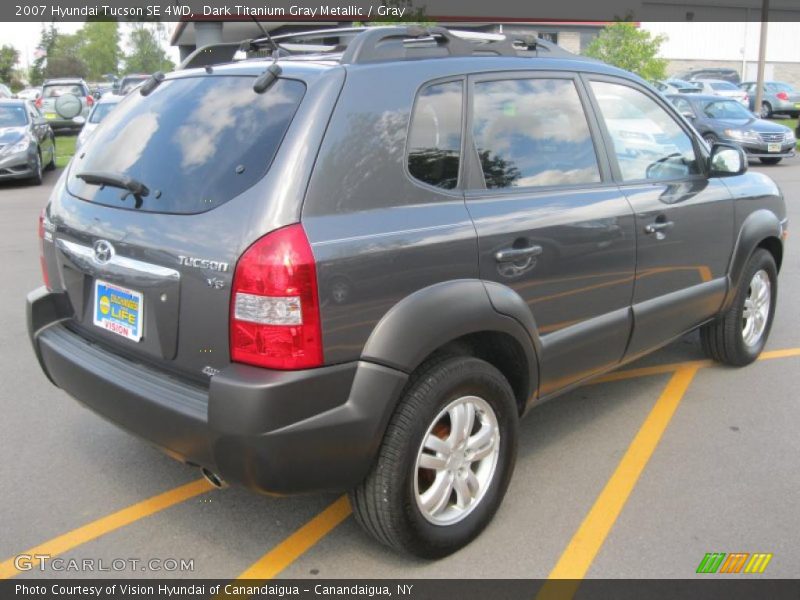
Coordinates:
column 271, row 431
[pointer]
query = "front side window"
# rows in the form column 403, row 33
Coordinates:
column 648, row 142
column 532, row 132
column 434, row 140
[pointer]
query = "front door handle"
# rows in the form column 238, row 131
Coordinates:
column 658, row 226
column 514, row 254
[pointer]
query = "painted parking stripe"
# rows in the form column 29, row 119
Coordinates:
column 294, row 546
column 109, row 523
column 592, row 532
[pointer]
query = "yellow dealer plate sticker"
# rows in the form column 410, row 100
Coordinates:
column 118, row 310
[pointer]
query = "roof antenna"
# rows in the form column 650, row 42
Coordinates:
column 275, row 51
column 268, row 77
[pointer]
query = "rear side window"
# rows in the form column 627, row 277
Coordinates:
column 434, row 140
column 195, row 142
column 532, row 132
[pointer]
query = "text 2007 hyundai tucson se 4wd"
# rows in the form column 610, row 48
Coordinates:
column 357, row 270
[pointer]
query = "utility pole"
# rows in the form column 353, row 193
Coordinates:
column 762, row 55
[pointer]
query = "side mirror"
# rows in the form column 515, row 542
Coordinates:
column 727, row 160
column 79, row 120
column 97, row 95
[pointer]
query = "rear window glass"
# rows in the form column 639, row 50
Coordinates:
column 723, row 85
column 54, row 91
column 194, row 142
column 434, row 143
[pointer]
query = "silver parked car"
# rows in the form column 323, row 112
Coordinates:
column 64, row 99
column 99, row 111
column 777, row 97
column 718, row 87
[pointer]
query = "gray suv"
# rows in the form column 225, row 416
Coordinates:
column 356, row 265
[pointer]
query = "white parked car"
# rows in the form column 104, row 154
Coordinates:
column 99, row 111
column 718, row 87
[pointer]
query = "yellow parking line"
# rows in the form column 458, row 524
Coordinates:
column 590, row 536
column 784, row 353
column 109, row 523
column 290, row 549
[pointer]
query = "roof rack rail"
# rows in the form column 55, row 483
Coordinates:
column 360, row 45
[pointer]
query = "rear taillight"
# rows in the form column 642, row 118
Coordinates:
column 45, row 276
column 89, row 101
column 274, row 321
column 782, row 96
column 38, row 102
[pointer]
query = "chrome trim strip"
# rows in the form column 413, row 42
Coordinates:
column 84, row 256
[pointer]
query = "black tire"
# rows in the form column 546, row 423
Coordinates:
column 723, row 338
column 766, row 110
column 771, row 161
column 38, row 176
column 385, row 502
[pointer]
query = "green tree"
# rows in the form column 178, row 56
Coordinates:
column 47, row 40
column 626, row 46
column 100, row 51
column 146, row 53
column 8, row 60
column 64, row 59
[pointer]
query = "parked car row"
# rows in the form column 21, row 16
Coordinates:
column 720, row 119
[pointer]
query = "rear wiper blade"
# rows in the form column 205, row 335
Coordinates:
column 133, row 187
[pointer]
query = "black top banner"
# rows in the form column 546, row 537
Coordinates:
column 496, row 11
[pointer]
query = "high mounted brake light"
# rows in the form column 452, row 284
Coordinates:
column 274, row 320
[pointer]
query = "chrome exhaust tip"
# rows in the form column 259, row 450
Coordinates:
column 213, row 479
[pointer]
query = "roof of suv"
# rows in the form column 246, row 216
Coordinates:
column 392, row 45
column 64, row 80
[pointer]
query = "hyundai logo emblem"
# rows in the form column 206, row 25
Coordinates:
column 103, row 252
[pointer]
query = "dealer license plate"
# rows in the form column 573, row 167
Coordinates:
column 50, row 115
column 118, row 309
column 775, row 147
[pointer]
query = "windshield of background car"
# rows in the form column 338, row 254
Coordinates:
column 195, row 142
column 100, row 112
column 725, row 109
column 12, row 116
column 723, row 85
column 54, row 91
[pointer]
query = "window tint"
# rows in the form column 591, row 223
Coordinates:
column 532, row 132
column 723, row 85
column 54, row 91
column 648, row 142
column 434, row 141
column 195, row 141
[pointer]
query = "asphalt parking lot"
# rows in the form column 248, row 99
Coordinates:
column 639, row 474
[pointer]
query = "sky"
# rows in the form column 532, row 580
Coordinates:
column 25, row 36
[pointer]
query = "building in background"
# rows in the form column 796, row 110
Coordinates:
column 692, row 45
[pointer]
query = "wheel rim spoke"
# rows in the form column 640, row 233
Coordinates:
column 431, row 461
column 463, row 492
column 438, row 495
column 755, row 313
column 437, row 444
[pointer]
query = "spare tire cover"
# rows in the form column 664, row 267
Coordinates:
column 68, row 106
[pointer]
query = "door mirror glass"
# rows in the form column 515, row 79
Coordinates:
column 727, row 160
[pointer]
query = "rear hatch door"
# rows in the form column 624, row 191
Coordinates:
column 148, row 268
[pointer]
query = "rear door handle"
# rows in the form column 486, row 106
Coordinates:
column 513, row 254
column 658, row 226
